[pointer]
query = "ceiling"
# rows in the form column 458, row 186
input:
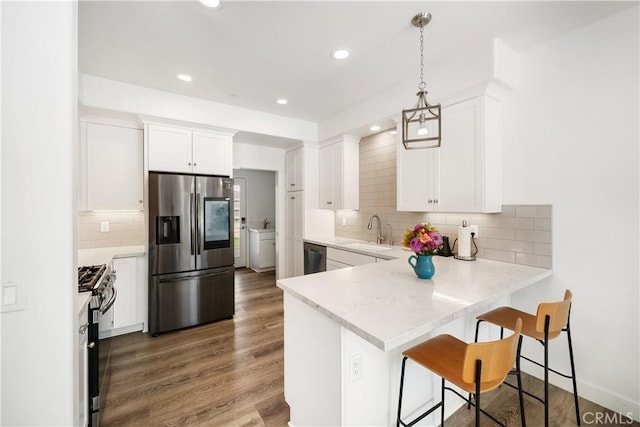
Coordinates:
column 248, row 54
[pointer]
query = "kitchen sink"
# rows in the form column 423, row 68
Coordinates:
column 371, row 247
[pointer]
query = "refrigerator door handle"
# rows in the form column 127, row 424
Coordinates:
column 195, row 276
column 191, row 198
column 198, row 218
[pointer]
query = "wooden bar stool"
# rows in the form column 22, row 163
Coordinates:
column 476, row 368
column 551, row 319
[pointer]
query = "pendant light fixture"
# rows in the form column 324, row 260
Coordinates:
column 421, row 124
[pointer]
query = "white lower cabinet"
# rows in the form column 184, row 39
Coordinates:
column 337, row 258
column 335, row 265
column 125, row 316
column 262, row 250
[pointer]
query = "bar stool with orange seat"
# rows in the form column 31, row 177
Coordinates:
column 476, row 368
column 550, row 320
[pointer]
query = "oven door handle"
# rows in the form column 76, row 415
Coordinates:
column 111, row 301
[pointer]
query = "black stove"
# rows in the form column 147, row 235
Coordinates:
column 88, row 276
column 99, row 280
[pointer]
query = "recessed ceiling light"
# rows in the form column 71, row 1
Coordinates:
column 211, row 3
column 184, row 77
column 281, row 101
column 374, row 128
column 340, row 54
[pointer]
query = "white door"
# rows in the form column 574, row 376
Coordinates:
column 240, row 222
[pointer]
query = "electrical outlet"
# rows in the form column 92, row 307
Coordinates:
column 355, row 367
column 104, row 226
column 474, row 229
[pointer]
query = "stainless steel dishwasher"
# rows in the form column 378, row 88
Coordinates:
column 315, row 258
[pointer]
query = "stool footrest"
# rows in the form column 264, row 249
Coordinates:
column 542, row 366
column 474, row 404
column 420, row 417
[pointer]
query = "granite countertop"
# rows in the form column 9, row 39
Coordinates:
column 387, row 305
column 103, row 256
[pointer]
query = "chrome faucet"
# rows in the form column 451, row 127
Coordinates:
column 389, row 237
column 266, row 223
column 379, row 238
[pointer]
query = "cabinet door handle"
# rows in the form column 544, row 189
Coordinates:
column 429, row 201
column 91, row 344
column 83, row 328
column 329, row 203
column 293, row 185
column 435, row 201
column 195, row 164
column 189, row 164
column 292, row 198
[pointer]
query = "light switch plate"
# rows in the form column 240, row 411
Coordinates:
column 13, row 296
column 104, row 226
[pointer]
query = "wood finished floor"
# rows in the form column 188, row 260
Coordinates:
column 230, row 373
column 227, row 373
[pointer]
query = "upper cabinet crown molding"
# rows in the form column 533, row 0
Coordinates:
column 188, row 125
column 122, row 123
column 349, row 139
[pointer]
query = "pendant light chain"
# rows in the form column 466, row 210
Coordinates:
column 422, row 84
column 421, row 124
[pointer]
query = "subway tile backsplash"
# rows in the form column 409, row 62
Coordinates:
column 520, row 234
column 126, row 228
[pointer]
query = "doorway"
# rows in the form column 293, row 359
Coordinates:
column 256, row 212
column 240, row 222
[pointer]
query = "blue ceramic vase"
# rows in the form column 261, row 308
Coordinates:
column 422, row 266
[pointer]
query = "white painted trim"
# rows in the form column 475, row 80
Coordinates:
column 182, row 124
column 110, row 121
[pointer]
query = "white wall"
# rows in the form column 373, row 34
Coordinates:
column 39, row 42
column 571, row 140
column 249, row 156
column 261, row 196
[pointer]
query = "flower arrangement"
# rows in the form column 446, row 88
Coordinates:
column 424, row 239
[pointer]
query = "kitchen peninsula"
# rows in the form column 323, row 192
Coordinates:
column 345, row 331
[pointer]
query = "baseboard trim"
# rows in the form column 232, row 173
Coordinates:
column 589, row 391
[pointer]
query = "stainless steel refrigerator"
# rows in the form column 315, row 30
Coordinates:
column 191, row 278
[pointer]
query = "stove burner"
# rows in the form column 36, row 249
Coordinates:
column 88, row 276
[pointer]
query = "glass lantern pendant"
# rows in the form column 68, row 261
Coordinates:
column 421, row 124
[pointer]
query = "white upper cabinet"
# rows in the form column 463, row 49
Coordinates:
column 212, row 154
column 169, row 149
column 339, row 185
column 177, row 149
column 294, row 173
column 465, row 173
column 114, row 167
